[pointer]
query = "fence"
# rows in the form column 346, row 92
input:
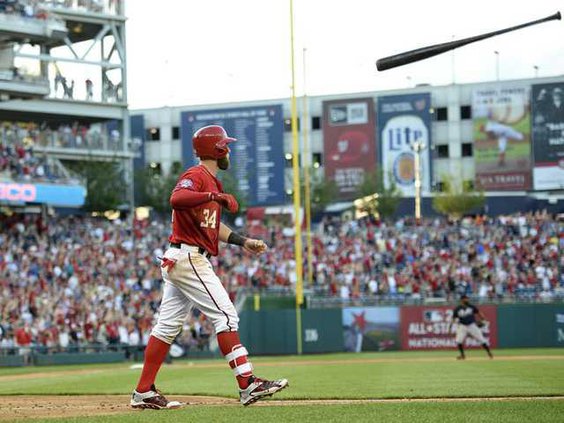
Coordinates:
column 352, row 329
column 408, row 327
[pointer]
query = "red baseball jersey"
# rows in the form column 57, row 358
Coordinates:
column 198, row 226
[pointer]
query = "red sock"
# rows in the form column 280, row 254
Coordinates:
column 229, row 342
column 155, row 354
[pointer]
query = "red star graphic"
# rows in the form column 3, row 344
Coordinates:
column 360, row 321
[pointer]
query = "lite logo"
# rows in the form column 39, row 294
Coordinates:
column 17, row 192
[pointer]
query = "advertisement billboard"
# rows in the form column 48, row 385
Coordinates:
column 51, row 194
column 502, row 141
column 402, row 120
column 371, row 328
column 548, row 136
column 349, row 143
column 257, row 157
column 427, row 328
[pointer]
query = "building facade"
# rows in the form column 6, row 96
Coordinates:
column 64, row 97
column 497, row 135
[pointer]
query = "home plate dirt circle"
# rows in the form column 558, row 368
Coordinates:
column 18, row 407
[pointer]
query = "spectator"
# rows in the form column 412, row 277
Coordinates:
column 89, row 89
column 75, row 280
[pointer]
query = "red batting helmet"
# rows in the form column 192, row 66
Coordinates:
column 210, row 142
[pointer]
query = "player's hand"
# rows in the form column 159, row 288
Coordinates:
column 255, row 246
column 226, row 200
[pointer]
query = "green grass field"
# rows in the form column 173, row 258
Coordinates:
column 325, row 388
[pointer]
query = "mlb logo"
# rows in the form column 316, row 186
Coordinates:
column 433, row 316
column 186, row 183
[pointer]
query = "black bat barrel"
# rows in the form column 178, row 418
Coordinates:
column 430, row 51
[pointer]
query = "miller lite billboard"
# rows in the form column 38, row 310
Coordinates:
column 349, row 142
column 403, row 120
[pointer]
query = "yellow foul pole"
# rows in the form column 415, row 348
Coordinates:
column 307, row 183
column 297, row 200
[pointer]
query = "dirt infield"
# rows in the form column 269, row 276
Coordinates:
column 52, row 406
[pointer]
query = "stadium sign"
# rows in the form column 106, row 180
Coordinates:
column 257, row 158
column 349, row 143
column 427, row 327
column 502, row 138
column 403, row 120
column 548, row 136
column 49, row 194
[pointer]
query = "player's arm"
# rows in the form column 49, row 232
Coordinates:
column 187, row 199
column 454, row 320
column 227, row 235
column 185, row 195
column 481, row 318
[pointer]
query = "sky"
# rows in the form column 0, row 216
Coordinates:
column 190, row 52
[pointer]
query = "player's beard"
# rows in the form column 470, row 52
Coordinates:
column 223, row 163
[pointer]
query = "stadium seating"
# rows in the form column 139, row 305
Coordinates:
column 78, row 280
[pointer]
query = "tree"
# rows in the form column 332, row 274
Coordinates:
column 387, row 200
column 154, row 190
column 231, row 186
column 457, row 199
column 105, row 184
column 323, row 192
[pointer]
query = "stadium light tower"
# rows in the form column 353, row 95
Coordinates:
column 417, row 146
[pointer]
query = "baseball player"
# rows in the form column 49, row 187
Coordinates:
column 189, row 279
column 465, row 317
column 502, row 132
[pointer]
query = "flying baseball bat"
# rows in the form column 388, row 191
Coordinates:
column 430, row 51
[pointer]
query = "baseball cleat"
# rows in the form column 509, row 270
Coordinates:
column 261, row 388
column 153, row 400
column 461, row 357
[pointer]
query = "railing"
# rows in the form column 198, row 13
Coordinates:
column 14, row 75
column 109, row 7
column 91, row 141
column 401, row 299
column 73, row 354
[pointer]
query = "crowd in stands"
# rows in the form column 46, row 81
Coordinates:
column 26, row 135
column 72, row 281
column 19, row 163
column 516, row 256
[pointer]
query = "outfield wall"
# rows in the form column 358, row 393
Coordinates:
column 356, row 329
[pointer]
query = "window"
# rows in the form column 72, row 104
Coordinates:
column 288, row 158
column 467, row 149
column 316, row 160
column 315, row 123
column 441, row 113
column 153, row 134
column 175, row 132
column 155, row 168
column 442, row 151
column 439, row 186
column 288, row 125
column 176, row 168
column 465, row 112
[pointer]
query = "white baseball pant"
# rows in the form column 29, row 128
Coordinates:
column 462, row 331
column 191, row 282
